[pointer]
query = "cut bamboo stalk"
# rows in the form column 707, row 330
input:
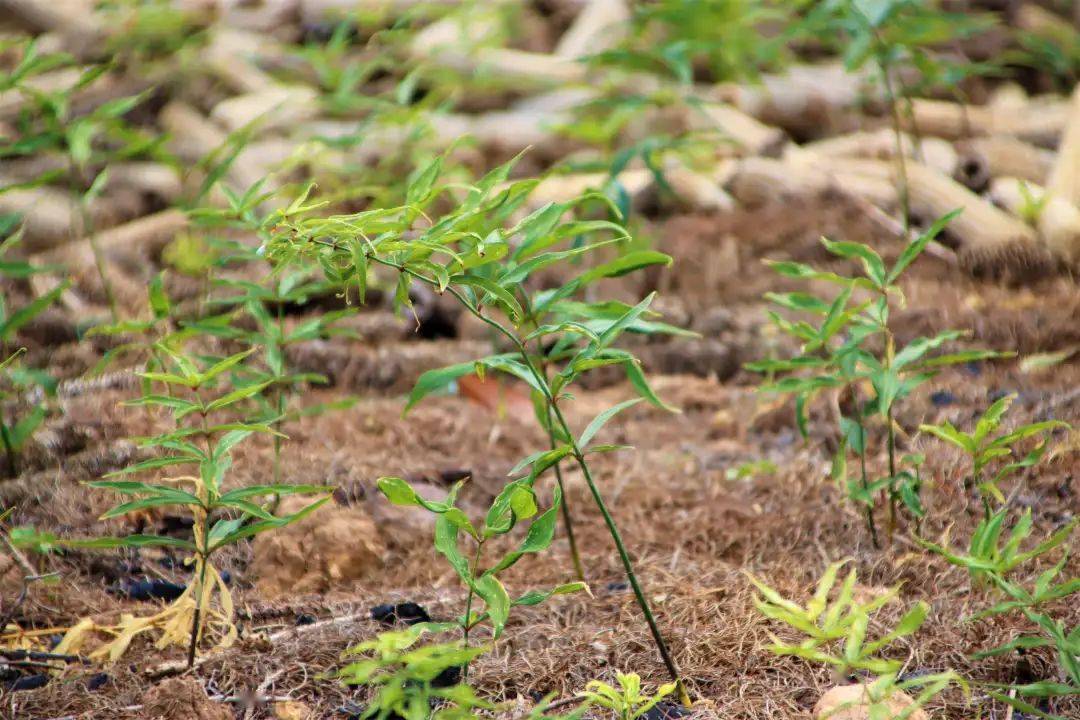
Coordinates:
column 598, row 27
column 13, row 101
column 750, row 134
column 1064, row 179
column 279, row 106
column 1041, row 123
column 808, row 100
column 561, row 188
column 698, row 190
column 75, row 20
column 49, row 215
column 194, row 137
column 1057, row 219
column 881, row 144
column 131, row 243
column 263, row 16
column 1002, row 156
column 151, row 178
column 991, row 241
column 230, row 56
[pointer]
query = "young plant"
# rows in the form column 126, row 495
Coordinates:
column 991, row 561
column 836, row 636
column 264, row 306
column 469, row 253
column 892, row 35
column 992, row 556
column 414, row 683
column 87, row 143
column 985, row 448
column 516, row 504
column 221, row 517
column 20, row 387
column 854, row 346
column 628, row 701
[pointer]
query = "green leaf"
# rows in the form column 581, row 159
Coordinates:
column 10, row 325
column 600, row 420
column 871, row 261
column 231, row 398
column 496, row 599
column 915, row 248
column 107, row 543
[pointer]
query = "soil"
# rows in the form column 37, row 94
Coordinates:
column 694, row 526
column 693, row 530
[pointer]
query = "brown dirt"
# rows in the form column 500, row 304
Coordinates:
column 692, row 530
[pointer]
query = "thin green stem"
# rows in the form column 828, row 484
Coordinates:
column 579, row 457
column 467, row 624
column 902, row 189
column 90, row 231
column 871, row 525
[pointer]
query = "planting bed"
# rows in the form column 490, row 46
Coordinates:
column 723, row 487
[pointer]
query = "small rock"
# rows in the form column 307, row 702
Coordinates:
column 942, row 398
column 857, row 703
column 407, row 612
column 665, row 710
column 155, row 589
column 331, row 547
column 305, row 619
column 97, row 681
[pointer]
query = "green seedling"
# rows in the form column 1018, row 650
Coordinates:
column 23, row 388
column 221, row 517
column 628, row 701
column 992, row 554
column 853, row 347
column 985, row 448
column 88, row 143
column 836, row 636
column 994, row 559
column 515, row 505
column 414, row 683
column 467, row 253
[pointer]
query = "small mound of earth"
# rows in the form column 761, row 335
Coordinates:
column 852, row 702
column 182, row 699
column 330, row 547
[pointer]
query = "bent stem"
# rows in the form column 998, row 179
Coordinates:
column 579, row 457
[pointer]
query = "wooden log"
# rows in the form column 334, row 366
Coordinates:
column 1057, row 219
column 74, row 20
column 991, row 242
column 1041, row 123
column 278, row 106
column 697, row 190
column 598, row 27
column 809, row 100
column 750, row 135
column 983, row 158
column 1064, row 179
column 231, row 56
column 131, row 243
column 882, row 145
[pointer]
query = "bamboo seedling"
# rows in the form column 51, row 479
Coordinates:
column 221, row 517
column 984, row 448
column 838, row 356
column 471, row 254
